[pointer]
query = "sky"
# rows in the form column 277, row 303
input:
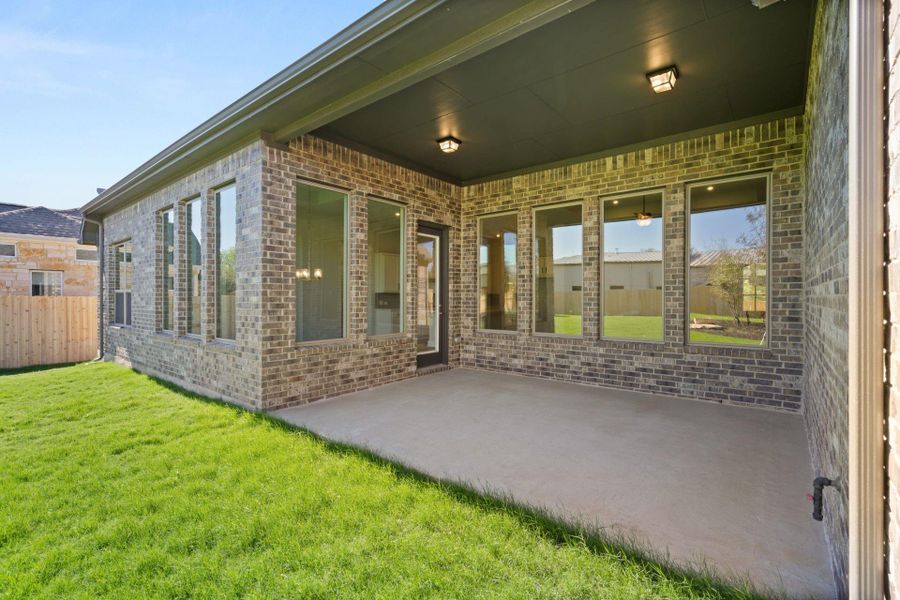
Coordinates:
column 89, row 90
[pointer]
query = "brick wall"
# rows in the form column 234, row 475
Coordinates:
column 768, row 377
column 48, row 254
column 826, row 380
column 228, row 370
column 299, row 372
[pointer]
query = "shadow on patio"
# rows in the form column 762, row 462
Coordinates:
column 707, row 483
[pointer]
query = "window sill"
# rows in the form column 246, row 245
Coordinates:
column 499, row 332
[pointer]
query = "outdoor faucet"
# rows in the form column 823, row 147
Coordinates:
column 818, row 484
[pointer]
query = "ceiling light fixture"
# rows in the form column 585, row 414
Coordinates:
column 663, row 80
column 710, row 188
column 449, row 144
column 642, row 217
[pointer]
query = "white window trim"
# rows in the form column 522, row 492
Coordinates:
column 534, row 269
column 687, row 259
column 62, row 281
column 118, row 290
column 188, row 272
column 217, row 230
column 663, row 262
column 15, row 246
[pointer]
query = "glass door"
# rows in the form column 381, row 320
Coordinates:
column 431, row 329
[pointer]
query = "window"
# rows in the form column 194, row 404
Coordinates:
column 498, row 235
column 320, row 263
column 386, row 237
column 86, row 254
column 46, row 283
column 728, row 261
column 226, row 249
column 167, row 218
column 193, row 256
column 121, row 275
column 7, row 250
column 633, row 267
column 557, row 268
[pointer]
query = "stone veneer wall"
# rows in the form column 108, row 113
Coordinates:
column 299, row 372
column 826, row 380
column 752, row 376
column 49, row 254
column 225, row 369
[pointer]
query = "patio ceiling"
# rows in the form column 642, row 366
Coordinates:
column 577, row 86
column 521, row 82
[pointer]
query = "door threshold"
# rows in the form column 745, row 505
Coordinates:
column 431, row 369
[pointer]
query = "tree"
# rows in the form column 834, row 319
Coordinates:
column 727, row 277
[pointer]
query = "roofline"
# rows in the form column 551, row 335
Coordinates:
column 378, row 22
column 376, row 25
column 7, row 235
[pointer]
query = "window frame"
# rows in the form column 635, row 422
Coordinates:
column 185, row 262
column 403, row 246
column 15, row 254
column 62, row 281
column 86, row 260
column 218, row 229
column 689, row 186
column 534, row 268
column 345, row 316
column 161, row 216
column 602, row 276
column 126, row 320
column 480, row 219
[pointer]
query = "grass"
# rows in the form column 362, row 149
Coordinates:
column 115, row 484
column 650, row 328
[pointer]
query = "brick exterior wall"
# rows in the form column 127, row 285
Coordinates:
column 767, row 377
column 46, row 254
column 299, row 372
column 826, row 380
column 266, row 367
column 892, row 54
column 230, row 370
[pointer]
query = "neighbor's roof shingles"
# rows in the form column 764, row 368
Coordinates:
column 37, row 220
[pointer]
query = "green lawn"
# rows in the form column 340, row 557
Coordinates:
column 113, row 484
column 648, row 328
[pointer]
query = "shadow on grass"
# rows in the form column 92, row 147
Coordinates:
column 34, row 368
column 697, row 577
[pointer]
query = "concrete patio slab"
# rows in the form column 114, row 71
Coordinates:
column 721, row 484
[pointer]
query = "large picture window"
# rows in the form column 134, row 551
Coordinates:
column 386, row 236
column 194, row 261
column 167, row 217
column 320, row 263
column 498, row 235
column 558, row 269
column 122, row 272
column 633, row 267
column 226, row 255
column 728, row 261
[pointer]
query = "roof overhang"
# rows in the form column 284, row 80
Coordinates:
column 398, row 44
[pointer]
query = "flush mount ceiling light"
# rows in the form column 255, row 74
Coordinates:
column 663, row 80
column 449, row 144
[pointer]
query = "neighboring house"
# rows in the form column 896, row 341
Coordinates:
column 424, row 118
column 40, row 254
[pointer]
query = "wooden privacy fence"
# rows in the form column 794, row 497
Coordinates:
column 648, row 302
column 47, row 330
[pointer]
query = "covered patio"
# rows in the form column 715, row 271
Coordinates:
column 701, row 481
